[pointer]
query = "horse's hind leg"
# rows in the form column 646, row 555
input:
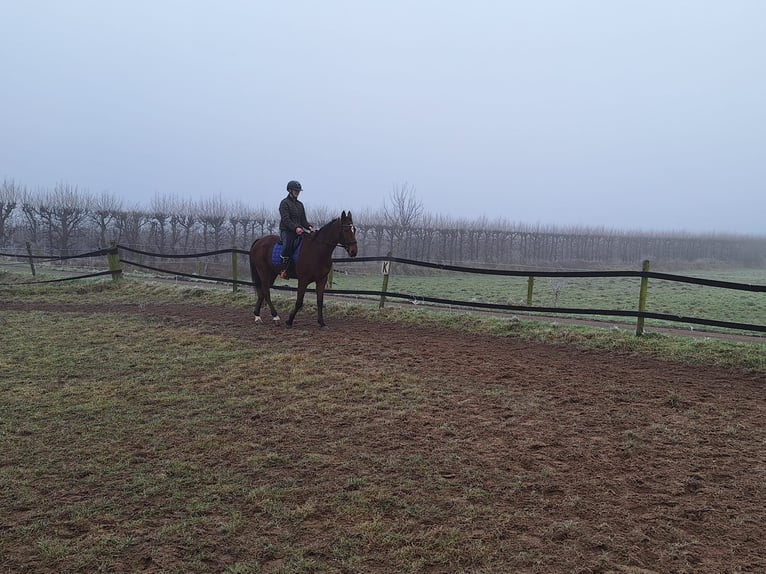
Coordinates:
column 321, row 284
column 264, row 295
column 257, row 308
column 274, row 315
column 257, row 311
column 266, row 292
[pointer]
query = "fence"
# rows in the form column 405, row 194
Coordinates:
column 115, row 262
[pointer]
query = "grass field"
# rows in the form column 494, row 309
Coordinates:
column 666, row 297
column 588, row 293
column 99, row 409
column 596, row 293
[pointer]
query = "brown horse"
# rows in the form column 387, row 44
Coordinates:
column 313, row 266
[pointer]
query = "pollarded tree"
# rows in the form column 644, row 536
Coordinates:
column 103, row 213
column 11, row 194
column 161, row 216
column 256, row 223
column 238, row 217
column 369, row 231
column 213, row 214
column 129, row 224
column 246, row 224
column 186, row 219
column 63, row 211
column 30, row 207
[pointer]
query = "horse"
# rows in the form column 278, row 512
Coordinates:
column 314, row 263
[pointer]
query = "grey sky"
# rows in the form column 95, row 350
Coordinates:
column 635, row 115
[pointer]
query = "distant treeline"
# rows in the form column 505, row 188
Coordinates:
column 65, row 220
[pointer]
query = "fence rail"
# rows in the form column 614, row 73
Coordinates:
column 115, row 262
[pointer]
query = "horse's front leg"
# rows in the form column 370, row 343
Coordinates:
column 274, row 315
column 321, row 284
column 298, row 302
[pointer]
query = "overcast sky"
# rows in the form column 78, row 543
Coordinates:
column 629, row 114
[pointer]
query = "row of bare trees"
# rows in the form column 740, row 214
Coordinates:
column 67, row 220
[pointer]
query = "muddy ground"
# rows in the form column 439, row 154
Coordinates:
column 607, row 462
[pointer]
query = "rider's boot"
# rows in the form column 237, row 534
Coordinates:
column 285, row 265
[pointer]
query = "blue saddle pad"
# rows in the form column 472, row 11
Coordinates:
column 276, row 253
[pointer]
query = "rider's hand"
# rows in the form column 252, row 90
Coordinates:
column 311, row 228
column 299, row 230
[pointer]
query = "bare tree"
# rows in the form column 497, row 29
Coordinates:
column 239, row 219
column 212, row 216
column 30, row 207
column 256, row 221
column 321, row 214
column 103, row 213
column 63, row 211
column 161, row 215
column 371, row 230
column 54, row 220
column 402, row 212
column 10, row 195
column 186, row 219
column 129, row 223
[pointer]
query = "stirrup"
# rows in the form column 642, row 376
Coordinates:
column 285, row 267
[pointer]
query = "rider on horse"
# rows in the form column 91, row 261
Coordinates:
column 292, row 223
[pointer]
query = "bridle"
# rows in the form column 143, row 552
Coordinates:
column 345, row 244
column 352, row 227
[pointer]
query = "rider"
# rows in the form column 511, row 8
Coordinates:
column 292, row 223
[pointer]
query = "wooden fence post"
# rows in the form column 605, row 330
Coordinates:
column 113, row 258
column 530, row 287
column 386, row 272
column 643, row 293
column 234, row 261
column 31, row 259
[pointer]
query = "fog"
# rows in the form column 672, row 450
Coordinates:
column 629, row 115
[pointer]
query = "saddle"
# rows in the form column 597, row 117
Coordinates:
column 276, row 255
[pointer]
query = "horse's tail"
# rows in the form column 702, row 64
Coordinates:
column 253, row 268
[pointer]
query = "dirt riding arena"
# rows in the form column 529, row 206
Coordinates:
column 574, row 461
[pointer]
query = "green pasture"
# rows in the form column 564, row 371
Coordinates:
column 586, row 293
column 668, row 297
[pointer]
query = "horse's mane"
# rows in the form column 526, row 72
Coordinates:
column 326, row 226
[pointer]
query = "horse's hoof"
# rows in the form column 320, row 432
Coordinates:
column 323, row 327
column 275, row 320
column 258, row 320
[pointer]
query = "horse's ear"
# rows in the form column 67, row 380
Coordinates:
column 343, row 215
column 349, row 215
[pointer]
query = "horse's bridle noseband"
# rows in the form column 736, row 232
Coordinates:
column 353, row 230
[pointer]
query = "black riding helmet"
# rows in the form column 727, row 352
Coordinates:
column 294, row 186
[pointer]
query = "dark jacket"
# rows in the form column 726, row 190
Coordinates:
column 292, row 214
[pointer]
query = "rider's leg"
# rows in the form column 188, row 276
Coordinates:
column 288, row 246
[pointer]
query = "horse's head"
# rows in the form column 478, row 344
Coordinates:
column 347, row 236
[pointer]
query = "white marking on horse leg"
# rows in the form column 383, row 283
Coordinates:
column 258, row 319
column 276, row 320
